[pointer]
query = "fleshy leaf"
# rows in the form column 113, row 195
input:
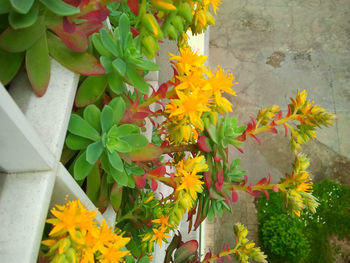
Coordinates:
column 123, row 130
column 93, row 184
column 78, row 126
column 118, row 106
column 137, row 81
column 93, row 152
column 140, row 181
column 76, row 142
column 92, row 115
column 81, row 63
column 9, row 65
column 120, row 177
column 96, row 40
column 115, row 82
column 38, row 66
column 115, row 161
column 108, row 42
column 20, row 40
column 22, row 6
column 148, row 153
column 134, row 6
column 203, row 143
column 143, row 64
column 116, row 196
column 120, row 66
column 5, row 6
column 185, row 251
column 92, row 89
column 136, row 140
column 60, row 8
column 18, row 20
column 107, row 117
column 81, row 167
column 124, row 29
column 76, row 41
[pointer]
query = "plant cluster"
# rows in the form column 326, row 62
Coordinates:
column 310, row 240
column 106, row 151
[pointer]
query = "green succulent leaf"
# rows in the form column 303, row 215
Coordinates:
column 137, row 81
column 118, row 106
column 22, row 6
column 78, row 126
column 5, row 6
column 122, row 146
column 107, row 118
column 143, row 64
column 96, row 40
column 93, row 184
column 116, row 82
column 82, row 167
column 120, row 66
column 92, row 115
column 21, row 39
column 120, row 177
column 124, row 29
column 136, row 140
column 18, row 20
column 9, row 65
column 123, row 130
column 107, row 64
column 92, row 89
column 93, row 152
column 115, row 161
column 108, row 42
column 80, row 62
column 38, row 66
column 134, row 170
column 116, row 196
column 60, row 8
column 76, row 142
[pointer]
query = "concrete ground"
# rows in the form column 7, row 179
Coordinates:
column 274, row 48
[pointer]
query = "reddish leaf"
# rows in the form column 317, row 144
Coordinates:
column 134, row 6
column 207, row 179
column 140, row 181
column 279, row 116
column 154, row 185
column 134, row 32
column 289, row 111
column 253, row 121
column 250, row 188
column 234, row 196
column 245, row 179
column 90, row 27
column 81, row 63
column 256, row 138
column 159, row 171
column 96, row 16
column 68, row 26
column 240, row 149
column 261, row 181
column 269, row 179
column 207, row 256
column 255, row 193
column 76, row 41
column 285, row 129
column 203, row 143
column 220, row 176
column 273, row 130
column 147, row 153
column 216, row 157
column 275, row 188
column 140, row 115
column 218, row 186
column 266, row 194
column 273, row 124
column 75, row 3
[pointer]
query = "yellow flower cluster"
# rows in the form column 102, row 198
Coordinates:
column 266, row 115
column 246, row 249
column 202, row 16
column 197, row 90
column 310, row 116
column 76, row 237
column 297, row 188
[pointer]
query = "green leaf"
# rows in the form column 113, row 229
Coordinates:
column 38, row 66
column 135, row 170
column 121, row 146
column 115, row 161
column 131, row 182
column 9, row 65
column 120, row 177
column 80, row 62
column 92, row 115
column 118, row 106
column 75, row 142
column 143, row 64
column 93, row 152
column 108, row 42
column 5, row 6
column 120, row 66
column 147, row 153
column 124, row 29
column 124, row 130
column 92, row 89
column 81, row 167
column 137, row 81
column 144, row 259
column 136, row 140
column 93, row 184
column 116, row 196
column 116, row 82
column 107, row 117
column 96, row 40
column 21, row 39
column 185, row 251
column 18, row 20
column 60, row 8
column 212, row 133
column 22, row 6
column 107, row 64
column 78, row 126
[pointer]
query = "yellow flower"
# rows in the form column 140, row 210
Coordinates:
column 187, row 171
column 163, row 220
column 159, row 235
column 215, row 4
column 188, row 61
